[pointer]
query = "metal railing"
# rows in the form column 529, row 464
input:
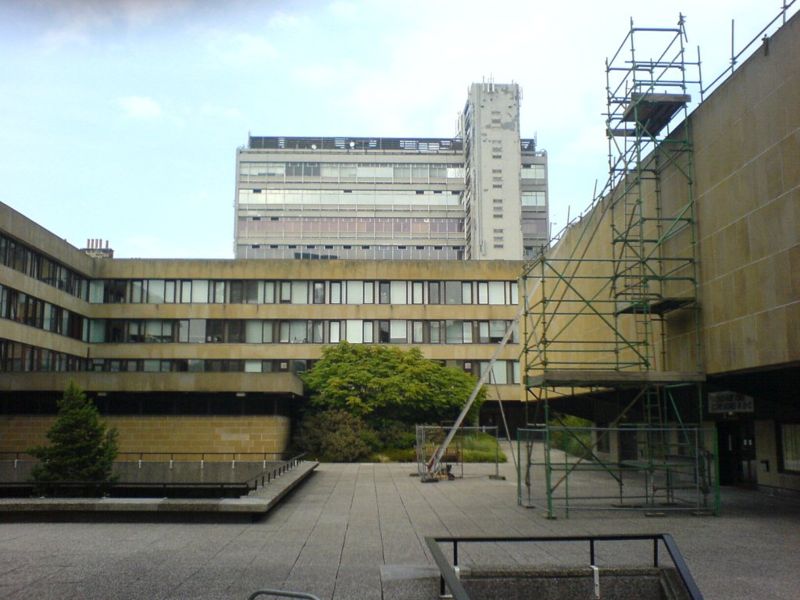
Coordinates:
column 268, row 475
column 265, row 477
column 449, row 577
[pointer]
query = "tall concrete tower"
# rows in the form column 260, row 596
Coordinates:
column 505, row 195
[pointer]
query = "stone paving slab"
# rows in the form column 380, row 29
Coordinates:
column 350, row 525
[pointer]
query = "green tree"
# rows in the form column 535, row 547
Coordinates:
column 80, row 449
column 337, row 436
column 381, row 384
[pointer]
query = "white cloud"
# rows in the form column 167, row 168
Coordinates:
column 140, row 107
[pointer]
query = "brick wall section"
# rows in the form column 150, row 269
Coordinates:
column 165, row 433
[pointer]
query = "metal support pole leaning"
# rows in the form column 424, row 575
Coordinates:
column 434, row 464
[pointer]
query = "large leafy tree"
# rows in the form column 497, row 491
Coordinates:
column 384, row 383
column 81, row 448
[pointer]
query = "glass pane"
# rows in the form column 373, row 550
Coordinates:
column 466, row 292
column 369, row 292
column 497, row 292
column 355, row 292
column 253, row 331
column 334, row 332
column 199, row 291
column 299, row 292
column 368, row 336
column 453, row 332
column 452, row 292
column 155, row 291
column 397, row 331
column 398, row 294
column 252, row 366
column 355, row 331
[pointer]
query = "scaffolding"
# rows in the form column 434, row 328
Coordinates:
column 598, row 303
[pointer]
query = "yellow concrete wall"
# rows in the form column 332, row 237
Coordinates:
column 746, row 186
column 165, row 433
column 747, row 137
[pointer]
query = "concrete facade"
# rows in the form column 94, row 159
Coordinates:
column 481, row 196
column 179, row 344
column 745, row 180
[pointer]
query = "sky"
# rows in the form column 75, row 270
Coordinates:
column 120, row 119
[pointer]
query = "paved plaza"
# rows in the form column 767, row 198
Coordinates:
column 333, row 536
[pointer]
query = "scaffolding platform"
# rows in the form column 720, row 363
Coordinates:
column 612, row 378
column 659, row 306
column 653, row 109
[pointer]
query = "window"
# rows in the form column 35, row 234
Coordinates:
column 269, row 292
column 452, row 292
column 369, row 292
column 790, row 447
column 236, row 292
column 299, row 292
column 197, row 331
column 354, row 331
column 334, row 332
column 533, row 199
column 217, row 289
column 336, row 292
column 497, row 329
column 318, row 296
column 398, row 293
column 436, row 337
column 483, row 292
column 383, row 332
column 368, row 332
column 384, row 292
column 317, row 332
column 199, row 289
column 466, row 292
column 497, row 292
column 467, row 325
column 398, row 333
column 416, row 292
column 416, row 332
column 355, row 292
column 253, row 332
column 286, row 292
column 253, row 291
column 454, row 332
column 433, row 293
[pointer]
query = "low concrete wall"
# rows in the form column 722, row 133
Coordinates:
column 164, row 433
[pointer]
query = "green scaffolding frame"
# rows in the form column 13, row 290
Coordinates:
column 593, row 324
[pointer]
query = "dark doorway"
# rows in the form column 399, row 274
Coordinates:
column 737, row 453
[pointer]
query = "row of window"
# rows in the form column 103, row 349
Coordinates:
column 337, row 172
column 503, row 371
column 533, row 172
column 256, row 291
column 349, row 251
column 335, row 226
column 28, row 310
column 17, row 357
column 388, row 198
column 20, row 257
column 533, row 198
column 299, row 331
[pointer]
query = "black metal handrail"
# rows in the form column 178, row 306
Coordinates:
column 267, row 475
column 449, row 578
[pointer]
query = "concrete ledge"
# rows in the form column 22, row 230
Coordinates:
column 254, row 505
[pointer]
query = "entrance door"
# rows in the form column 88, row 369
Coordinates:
column 737, row 453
